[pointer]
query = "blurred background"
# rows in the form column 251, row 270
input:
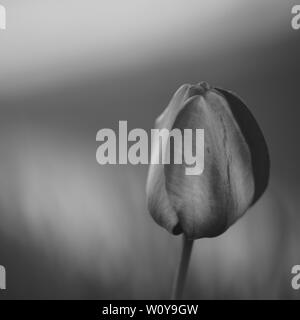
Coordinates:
column 72, row 229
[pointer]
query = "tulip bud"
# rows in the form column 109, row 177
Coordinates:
column 236, row 164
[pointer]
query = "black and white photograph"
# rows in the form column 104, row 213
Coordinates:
column 149, row 151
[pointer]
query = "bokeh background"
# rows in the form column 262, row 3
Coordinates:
column 72, row 229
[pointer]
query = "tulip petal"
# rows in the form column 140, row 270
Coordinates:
column 158, row 200
column 208, row 204
column 255, row 139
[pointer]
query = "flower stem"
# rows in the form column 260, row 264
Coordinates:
column 179, row 280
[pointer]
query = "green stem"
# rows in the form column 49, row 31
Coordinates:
column 180, row 278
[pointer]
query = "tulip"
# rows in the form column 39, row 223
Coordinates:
column 236, row 166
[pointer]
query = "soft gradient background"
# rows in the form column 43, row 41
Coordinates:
column 70, row 228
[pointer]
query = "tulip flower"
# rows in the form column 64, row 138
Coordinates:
column 236, row 166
